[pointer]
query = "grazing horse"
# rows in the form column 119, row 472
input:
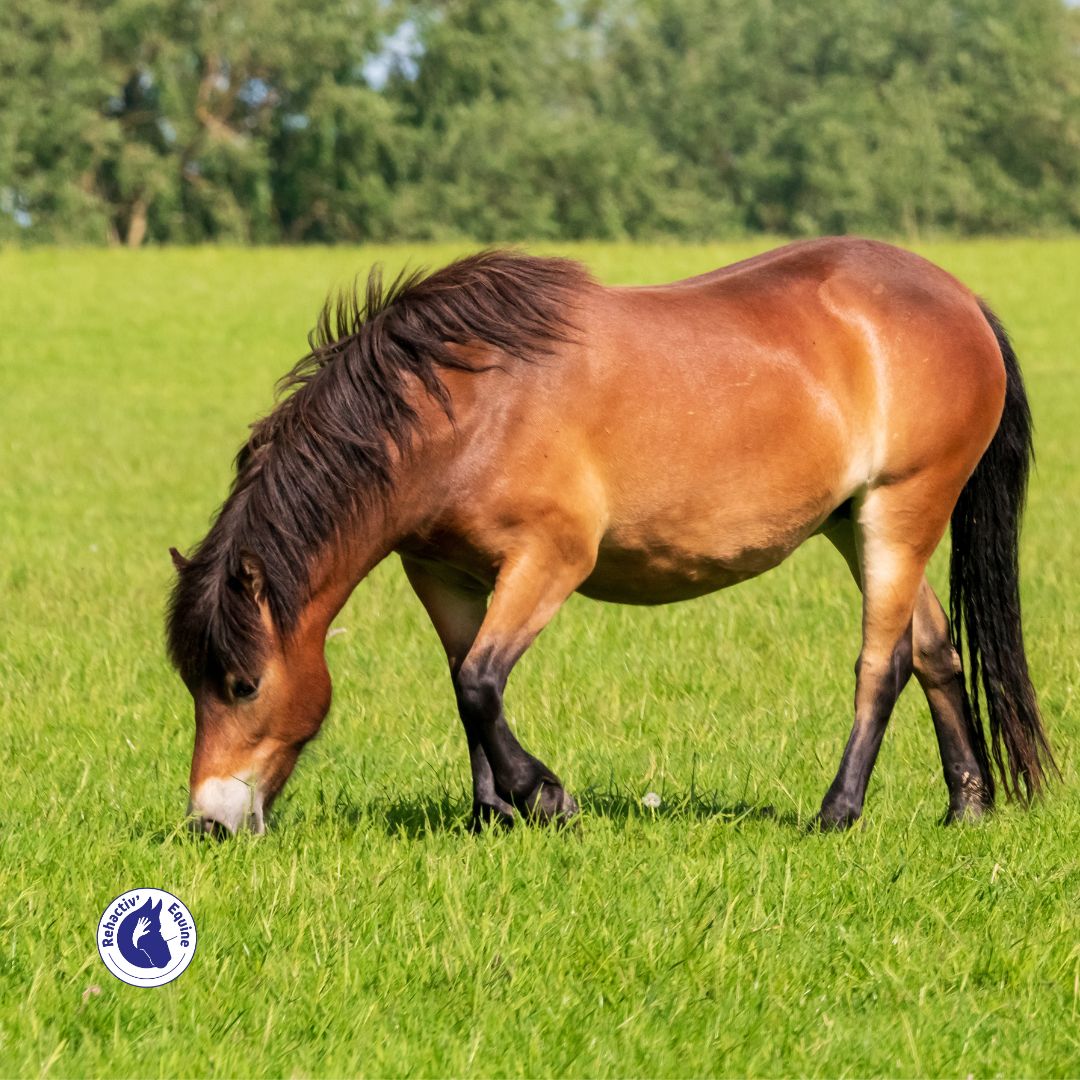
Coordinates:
column 517, row 432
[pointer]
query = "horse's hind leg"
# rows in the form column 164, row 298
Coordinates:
column 963, row 750
column 936, row 664
column 894, row 533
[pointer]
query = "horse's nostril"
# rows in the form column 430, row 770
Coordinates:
column 209, row 827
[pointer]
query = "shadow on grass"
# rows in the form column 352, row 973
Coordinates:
column 413, row 816
column 410, row 816
column 418, row 816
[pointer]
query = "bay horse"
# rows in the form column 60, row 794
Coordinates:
column 517, row 432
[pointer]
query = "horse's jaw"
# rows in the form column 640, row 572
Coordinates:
column 227, row 804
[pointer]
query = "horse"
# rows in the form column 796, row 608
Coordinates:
column 516, row 432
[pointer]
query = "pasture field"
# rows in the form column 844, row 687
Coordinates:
column 368, row 933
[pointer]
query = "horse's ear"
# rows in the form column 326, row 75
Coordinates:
column 156, row 907
column 252, row 575
column 178, row 560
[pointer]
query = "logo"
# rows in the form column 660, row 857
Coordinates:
column 146, row 937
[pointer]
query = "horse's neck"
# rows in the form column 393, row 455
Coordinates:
column 335, row 576
column 374, row 532
column 364, row 543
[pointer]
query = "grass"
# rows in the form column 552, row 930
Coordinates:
column 368, row 934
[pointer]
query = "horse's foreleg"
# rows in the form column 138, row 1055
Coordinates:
column 457, row 613
column 528, row 592
column 963, row 750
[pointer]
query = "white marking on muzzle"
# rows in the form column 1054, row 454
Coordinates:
column 232, row 801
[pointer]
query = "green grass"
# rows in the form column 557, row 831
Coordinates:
column 367, row 933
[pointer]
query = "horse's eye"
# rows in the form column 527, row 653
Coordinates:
column 241, row 689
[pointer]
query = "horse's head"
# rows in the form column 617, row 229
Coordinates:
column 139, row 937
column 259, row 695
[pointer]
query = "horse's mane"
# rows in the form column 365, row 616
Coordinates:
column 327, row 450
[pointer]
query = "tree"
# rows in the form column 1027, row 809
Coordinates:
column 132, row 121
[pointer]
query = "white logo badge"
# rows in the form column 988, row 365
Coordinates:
column 146, row 937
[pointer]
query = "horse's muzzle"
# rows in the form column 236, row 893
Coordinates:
column 223, row 806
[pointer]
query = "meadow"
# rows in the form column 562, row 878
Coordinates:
column 368, row 933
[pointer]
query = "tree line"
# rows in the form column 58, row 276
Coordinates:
column 133, row 121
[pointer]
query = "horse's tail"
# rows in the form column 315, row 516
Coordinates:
column 984, row 593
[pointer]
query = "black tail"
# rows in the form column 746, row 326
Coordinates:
column 984, row 592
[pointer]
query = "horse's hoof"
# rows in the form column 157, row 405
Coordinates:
column 486, row 814
column 966, row 812
column 549, row 802
column 835, row 817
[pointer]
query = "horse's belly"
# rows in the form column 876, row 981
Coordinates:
column 621, row 580
column 649, row 564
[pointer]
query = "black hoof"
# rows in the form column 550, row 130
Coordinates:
column 966, row 811
column 547, row 802
column 835, row 817
column 969, row 799
column 487, row 814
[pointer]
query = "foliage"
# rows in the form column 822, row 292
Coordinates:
column 347, row 120
column 367, row 934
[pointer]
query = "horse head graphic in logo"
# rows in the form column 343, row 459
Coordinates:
column 139, row 937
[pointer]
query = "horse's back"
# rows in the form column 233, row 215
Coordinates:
column 836, row 338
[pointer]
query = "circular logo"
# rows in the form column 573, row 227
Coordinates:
column 146, row 937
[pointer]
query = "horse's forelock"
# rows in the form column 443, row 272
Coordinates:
column 213, row 628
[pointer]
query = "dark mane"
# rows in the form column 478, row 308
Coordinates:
column 326, row 452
